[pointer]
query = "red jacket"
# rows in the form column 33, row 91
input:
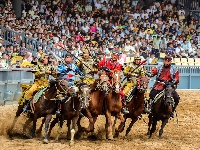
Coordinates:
column 165, row 74
column 113, row 66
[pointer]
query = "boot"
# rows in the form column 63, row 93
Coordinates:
column 173, row 110
column 26, row 106
column 125, row 109
column 58, row 107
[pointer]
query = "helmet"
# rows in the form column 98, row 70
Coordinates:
column 41, row 59
column 137, row 57
column 168, row 56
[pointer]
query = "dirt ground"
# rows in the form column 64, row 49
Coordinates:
column 184, row 136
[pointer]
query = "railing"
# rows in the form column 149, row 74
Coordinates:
column 10, row 81
column 191, row 6
column 31, row 44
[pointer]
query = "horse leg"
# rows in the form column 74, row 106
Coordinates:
column 153, row 128
column 74, row 121
column 47, row 121
column 90, row 128
column 113, row 126
column 120, row 127
column 53, row 123
column 26, row 124
column 60, row 126
column 109, row 125
column 68, row 129
column 164, row 122
column 149, row 123
column 34, row 125
column 130, row 126
column 38, row 131
column 18, row 113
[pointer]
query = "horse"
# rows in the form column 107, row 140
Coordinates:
column 98, row 90
column 113, row 105
column 162, row 108
column 135, row 106
column 71, row 109
column 45, row 106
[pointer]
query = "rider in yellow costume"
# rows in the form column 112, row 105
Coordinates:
column 88, row 67
column 42, row 71
column 132, row 72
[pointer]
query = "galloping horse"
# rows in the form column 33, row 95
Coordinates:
column 162, row 108
column 113, row 105
column 135, row 106
column 71, row 109
column 99, row 89
column 45, row 107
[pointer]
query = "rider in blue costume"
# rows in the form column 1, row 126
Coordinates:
column 67, row 71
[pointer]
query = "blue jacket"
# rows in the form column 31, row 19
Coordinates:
column 66, row 69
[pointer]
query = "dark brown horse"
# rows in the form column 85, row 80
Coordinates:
column 135, row 106
column 45, row 106
column 162, row 108
column 113, row 105
column 71, row 109
column 99, row 89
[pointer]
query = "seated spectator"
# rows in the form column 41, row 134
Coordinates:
column 178, row 51
column 171, row 50
column 152, row 60
column 4, row 61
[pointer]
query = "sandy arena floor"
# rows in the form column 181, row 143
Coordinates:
column 184, row 137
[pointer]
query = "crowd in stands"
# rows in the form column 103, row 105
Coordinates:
column 101, row 26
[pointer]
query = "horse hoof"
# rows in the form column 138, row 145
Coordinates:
column 110, row 138
column 38, row 131
column 71, row 143
column 116, row 134
column 45, row 141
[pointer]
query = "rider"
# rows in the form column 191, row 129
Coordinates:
column 165, row 73
column 88, row 67
column 110, row 65
column 42, row 71
column 132, row 72
column 67, row 71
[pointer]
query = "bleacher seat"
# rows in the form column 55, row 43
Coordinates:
column 129, row 59
column 162, row 55
column 184, row 62
column 177, row 60
column 191, row 61
column 197, row 62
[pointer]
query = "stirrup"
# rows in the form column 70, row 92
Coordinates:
column 58, row 112
column 147, row 110
column 172, row 115
column 125, row 111
column 25, row 109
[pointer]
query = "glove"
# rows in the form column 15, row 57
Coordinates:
column 166, row 82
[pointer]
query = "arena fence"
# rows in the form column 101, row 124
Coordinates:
column 10, row 80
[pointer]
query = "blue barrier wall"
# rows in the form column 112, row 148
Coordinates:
column 10, row 80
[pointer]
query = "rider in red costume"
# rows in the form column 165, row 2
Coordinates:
column 165, row 73
column 110, row 65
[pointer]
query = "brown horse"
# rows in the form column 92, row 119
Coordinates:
column 71, row 109
column 162, row 108
column 45, row 107
column 99, row 89
column 135, row 106
column 113, row 105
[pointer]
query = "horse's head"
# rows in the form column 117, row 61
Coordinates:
column 104, row 82
column 63, row 87
column 85, row 95
column 169, row 91
column 116, row 81
column 142, row 83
